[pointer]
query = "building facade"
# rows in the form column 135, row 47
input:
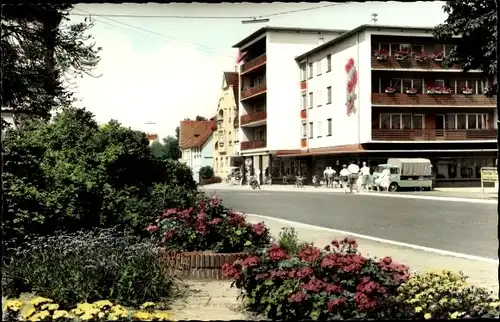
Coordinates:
column 196, row 144
column 226, row 136
column 379, row 91
column 268, row 84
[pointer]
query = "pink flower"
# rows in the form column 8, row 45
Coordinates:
column 169, row 212
column 275, row 253
column 363, row 302
column 297, row 297
column 235, row 219
column 168, row 235
column 314, row 285
column 215, row 221
column 259, row 229
column 251, row 261
column 152, row 228
column 332, row 288
column 230, row 271
column 309, row 254
column 215, row 202
column 333, row 304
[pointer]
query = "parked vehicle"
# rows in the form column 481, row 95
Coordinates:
column 404, row 173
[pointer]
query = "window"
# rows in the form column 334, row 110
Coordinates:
column 328, row 63
column 394, row 48
column 418, row 121
column 385, row 46
column 303, row 72
column 406, row 121
column 385, row 121
column 417, row 49
column 329, row 122
column 412, row 83
column 395, row 121
column 311, row 130
column 466, row 121
column 311, row 70
column 461, row 121
column 329, row 95
column 259, row 135
column 318, row 67
column 304, row 101
column 304, row 130
column 311, row 100
column 319, row 125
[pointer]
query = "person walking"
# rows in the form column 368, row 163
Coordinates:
column 344, row 177
column 353, row 176
column 365, row 173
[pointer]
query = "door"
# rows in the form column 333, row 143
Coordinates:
column 440, row 120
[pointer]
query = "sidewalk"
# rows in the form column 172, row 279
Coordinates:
column 467, row 193
column 480, row 273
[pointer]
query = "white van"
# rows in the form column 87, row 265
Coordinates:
column 404, row 173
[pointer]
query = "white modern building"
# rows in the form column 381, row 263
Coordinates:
column 268, row 105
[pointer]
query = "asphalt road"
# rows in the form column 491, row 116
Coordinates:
column 467, row 228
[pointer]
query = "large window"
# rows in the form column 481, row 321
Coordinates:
column 311, row 100
column 311, row 127
column 328, row 63
column 320, row 130
column 466, row 121
column 397, row 121
column 304, row 130
column 318, row 67
column 328, row 95
column 329, row 122
column 311, row 70
column 412, row 83
column 304, row 101
column 303, row 71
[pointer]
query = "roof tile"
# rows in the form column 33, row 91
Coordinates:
column 193, row 134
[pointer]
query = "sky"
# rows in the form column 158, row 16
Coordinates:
column 155, row 72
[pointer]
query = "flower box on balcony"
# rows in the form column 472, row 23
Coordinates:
column 411, row 91
column 381, row 55
column 390, row 90
column 439, row 91
column 401, row 55
column 467, row 91
column 438, row 56
column 420, row 57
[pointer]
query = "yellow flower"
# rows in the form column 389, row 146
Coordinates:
column 61, row 315
column 427, row 316
column 418, row 309
column 40, row 316
column 454, row 315
column 119, row 311
column 85, row 308
column 40, row 300
column 494, row 304
column 147, row 305
column 101, row 315
column 142, row 316
column 13, row 305
column 161, row 316
column 50, row 306
column 29, row 313
column 103, row 304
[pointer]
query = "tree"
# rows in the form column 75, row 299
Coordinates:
column 206, row 172
column 41, row 55
column 475, row 21
column 168, row 149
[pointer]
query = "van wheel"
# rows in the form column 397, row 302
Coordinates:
column 393, row 187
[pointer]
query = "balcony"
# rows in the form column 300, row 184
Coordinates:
column 303, row 85
column 250, row 145
column 410, row 63
column 433, row 135
column 253, row 64
column 303, row 114
column 399, row 99
column 303, row 143
column 254, row 119
column 253, row 91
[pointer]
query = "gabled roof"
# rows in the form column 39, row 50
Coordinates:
column 233, row 79
column 263, row 30
column 193, row 134
column 360, row 29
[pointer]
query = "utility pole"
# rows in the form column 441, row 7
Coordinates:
column 374, row 18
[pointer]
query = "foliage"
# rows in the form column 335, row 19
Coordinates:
column 209, row 226
column 41, row 308
column 475, row 21
column 444, row 295
column 206, row 172
column 333, row 283
column 82, row 176
column 211, row 180
column 42, row 53
column 289, row 240
column 87, row 266
column 168, row 149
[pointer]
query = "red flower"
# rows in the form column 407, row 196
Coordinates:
column 335, row 243
column 351, row 242
column 280, row 273
column 261, row 276
column 332, row 288
column 297, row 297
column 304, row 272
column 215, row 202
column 201, row 223
column 309, row 254
column 169, row 212
column 259, row 229
column 251, row 261
column 275, row 253
column 215, row 221
column 203, row 207
column 314, row 286
column 152, row 228
column 235, row 219
column 230, row 271
column 363, row 302
column 333, row 304
column 368, row 286
column 168, row 235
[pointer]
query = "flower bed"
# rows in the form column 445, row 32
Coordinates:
column 197, row 241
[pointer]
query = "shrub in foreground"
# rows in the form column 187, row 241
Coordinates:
column 209, row 226
column 441, row 294
column 44, row 309
column 87, row 266
column 211, row 180
column 317, row 284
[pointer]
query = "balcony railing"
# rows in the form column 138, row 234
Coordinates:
column 253, row 91
column 303, row 114
column 409, row 63
column 432, row 100
column 432, row 135
column 254, row 63
column 250, row 145
column 253, row 117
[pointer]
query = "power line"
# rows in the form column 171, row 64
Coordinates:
column 196, row 45
column 205, row 17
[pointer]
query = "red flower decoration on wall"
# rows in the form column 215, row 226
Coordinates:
column 352, row 82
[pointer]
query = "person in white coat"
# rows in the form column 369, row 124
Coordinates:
column 353, row 177
column 365, row 175
column 344, row 178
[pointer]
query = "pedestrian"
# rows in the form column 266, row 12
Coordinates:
column 344, row 177
column 365, row 173
column 353, row 176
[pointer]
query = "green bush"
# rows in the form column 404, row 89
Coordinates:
column 211, row 180
column 206, row 172
column 70, row 174
column 441, row 294
column 87, row 266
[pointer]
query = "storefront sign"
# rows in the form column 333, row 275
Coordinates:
column 490, row 175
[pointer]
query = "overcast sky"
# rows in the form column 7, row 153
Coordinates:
column 164, row 70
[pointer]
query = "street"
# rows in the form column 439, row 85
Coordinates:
column 467, row 228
